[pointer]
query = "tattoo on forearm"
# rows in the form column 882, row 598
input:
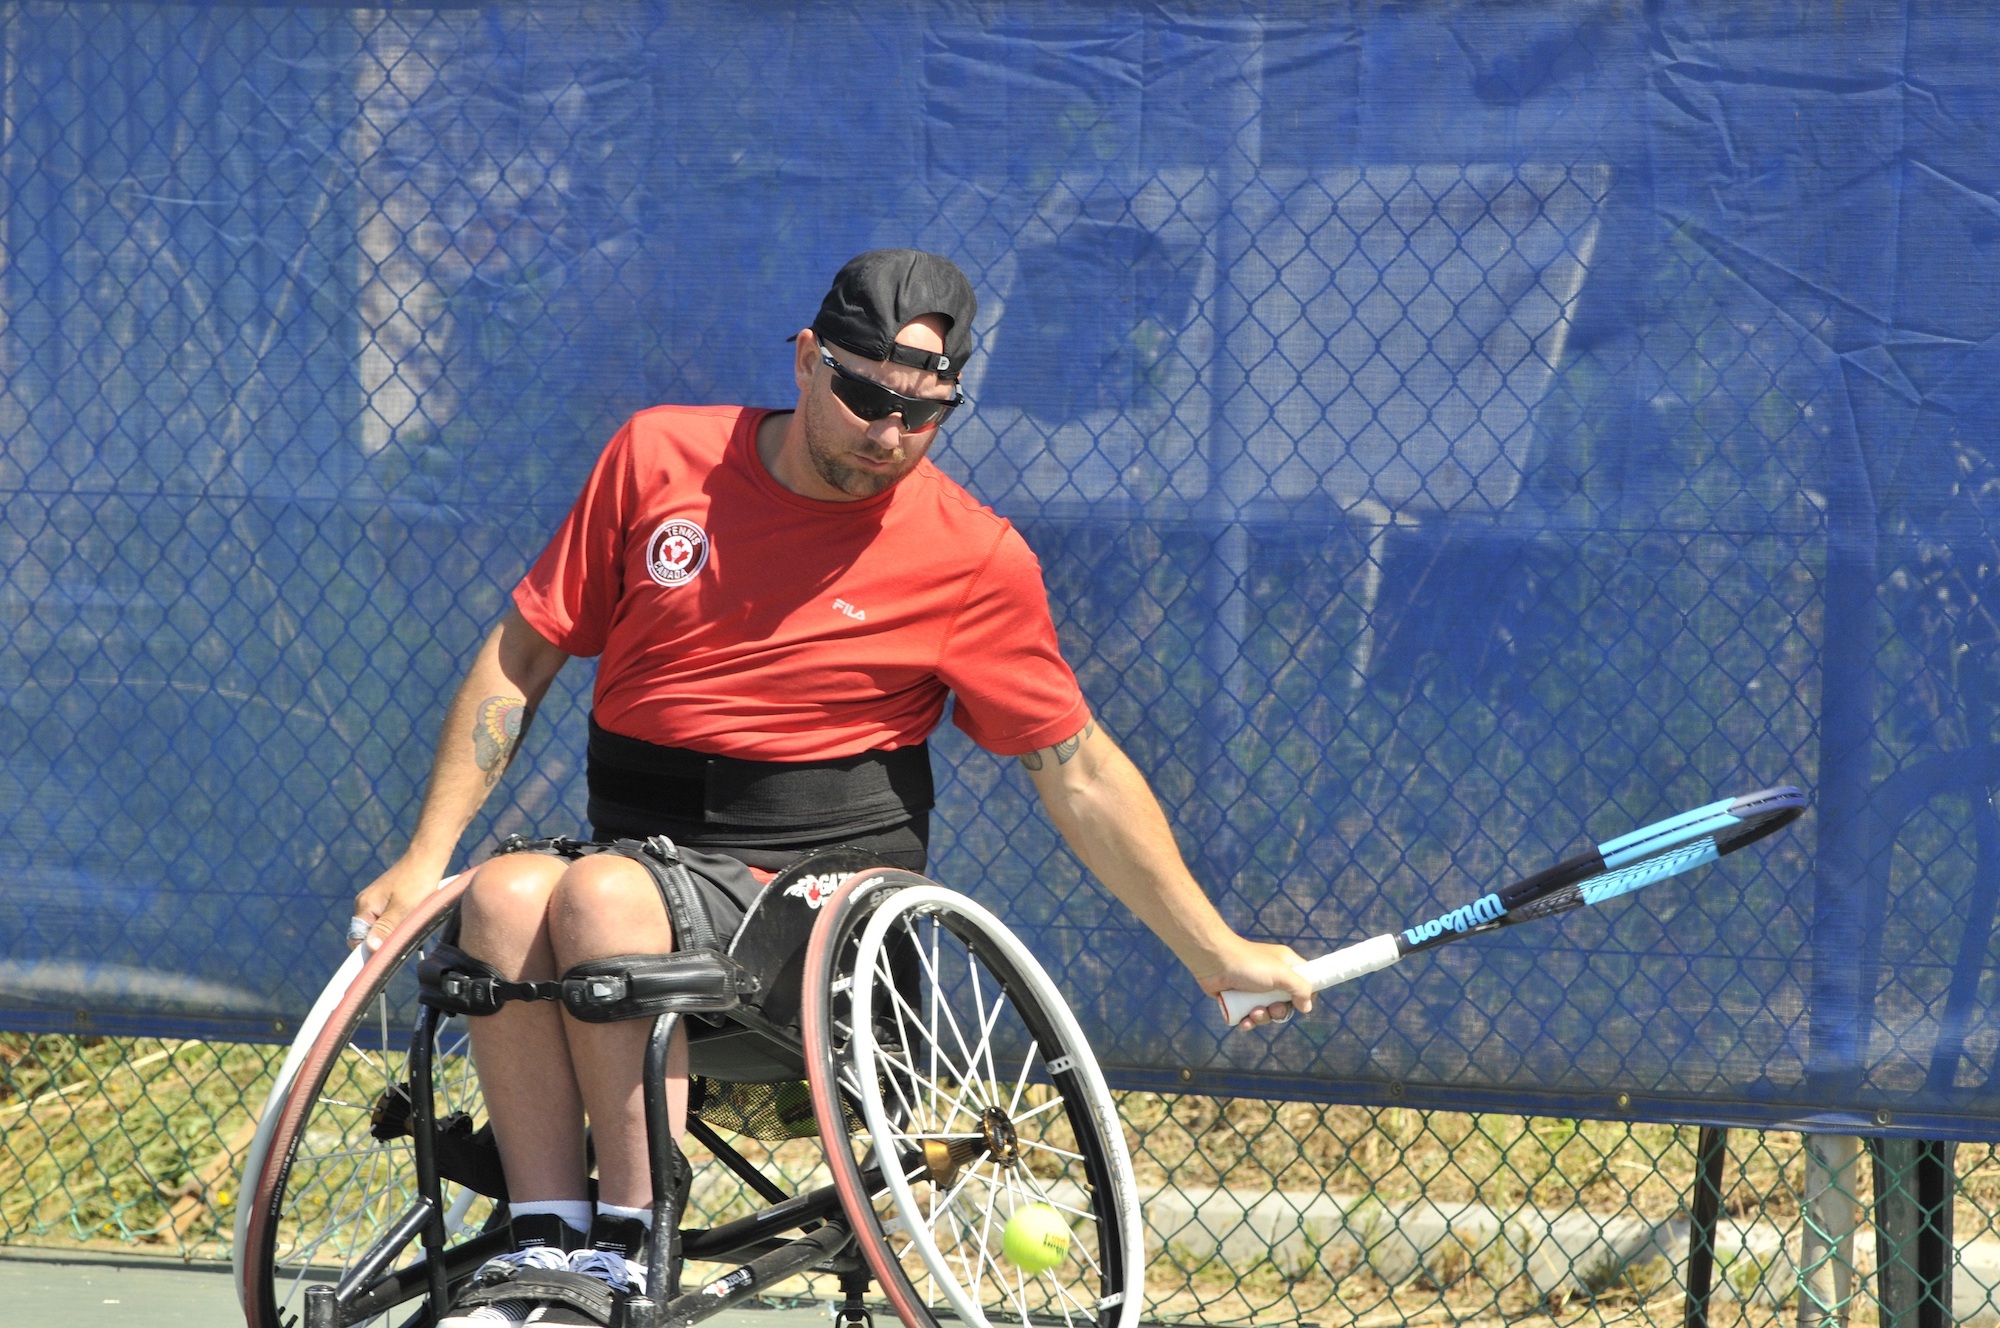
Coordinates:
column 1064, row 750
column 496, row 732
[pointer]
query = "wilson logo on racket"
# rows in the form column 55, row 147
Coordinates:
column 1462, row 919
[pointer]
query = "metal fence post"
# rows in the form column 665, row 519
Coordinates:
column 1831, row 1212
column 1704, row 1211
column 1225, row 579
column 1914, row 1183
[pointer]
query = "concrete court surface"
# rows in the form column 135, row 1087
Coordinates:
column 61, row 1289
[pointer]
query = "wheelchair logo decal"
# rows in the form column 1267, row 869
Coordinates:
column 730, row 1283
column 677, row 550
column 816, row 890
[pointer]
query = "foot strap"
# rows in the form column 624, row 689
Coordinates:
column 593, row 1296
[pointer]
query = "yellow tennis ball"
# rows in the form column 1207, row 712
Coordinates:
column 1035, row 1238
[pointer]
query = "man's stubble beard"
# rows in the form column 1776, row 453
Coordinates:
column 827, row 464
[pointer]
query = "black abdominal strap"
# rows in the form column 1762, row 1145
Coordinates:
column 699, row 978
column 745, row 803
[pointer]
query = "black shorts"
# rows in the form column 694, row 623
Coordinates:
column 723, row 876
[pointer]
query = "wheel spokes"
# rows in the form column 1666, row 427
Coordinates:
column 965, row 1050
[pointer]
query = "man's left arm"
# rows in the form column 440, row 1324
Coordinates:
column 1108, row 814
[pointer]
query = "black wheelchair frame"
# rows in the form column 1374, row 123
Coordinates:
column 794, row 941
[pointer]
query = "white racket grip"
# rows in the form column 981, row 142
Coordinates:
column 1343, row 965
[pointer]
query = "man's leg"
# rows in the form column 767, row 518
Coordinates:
column 521, row 1053
column 606, row 906
column 526, row 1078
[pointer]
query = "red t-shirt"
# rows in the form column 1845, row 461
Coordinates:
column 738, row 618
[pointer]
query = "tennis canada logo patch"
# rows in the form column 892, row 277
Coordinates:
column 677, row 551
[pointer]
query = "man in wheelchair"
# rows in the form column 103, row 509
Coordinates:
column 780, row 602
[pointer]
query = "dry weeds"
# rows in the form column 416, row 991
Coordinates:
column 137, row 1141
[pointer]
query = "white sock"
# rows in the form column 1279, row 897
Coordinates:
column 575, row 1213
column 619, row 1214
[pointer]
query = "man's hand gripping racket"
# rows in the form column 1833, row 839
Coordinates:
column 1616, row 867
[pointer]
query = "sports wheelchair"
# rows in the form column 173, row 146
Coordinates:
column 901, row 1023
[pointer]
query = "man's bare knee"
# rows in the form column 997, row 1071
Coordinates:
column 504, row 907
column 607, row 905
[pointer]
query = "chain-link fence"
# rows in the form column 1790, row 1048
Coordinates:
column 1255, row 1211
column 1451, row 434
column 1442, row 450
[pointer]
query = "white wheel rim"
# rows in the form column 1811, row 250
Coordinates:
column 274, row 1103
column 975, row 1261
column 315, row 1022
column 345, row 1188
column 362, row 1184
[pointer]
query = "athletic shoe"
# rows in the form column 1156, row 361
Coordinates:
column 551, row 1237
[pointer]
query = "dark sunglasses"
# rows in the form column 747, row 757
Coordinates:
column 872, row 401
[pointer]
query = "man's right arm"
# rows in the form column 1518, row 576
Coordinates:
column 482, row 730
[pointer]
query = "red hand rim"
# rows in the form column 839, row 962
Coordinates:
column 813, row 1015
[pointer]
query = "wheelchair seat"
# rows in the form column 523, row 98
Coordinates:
column 771, row 943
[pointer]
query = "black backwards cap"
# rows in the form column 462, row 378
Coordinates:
column 882, row 291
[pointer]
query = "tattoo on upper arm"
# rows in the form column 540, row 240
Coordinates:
column 1064, row 750
column 496, row 732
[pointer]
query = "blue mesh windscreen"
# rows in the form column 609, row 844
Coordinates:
column 1453, row 434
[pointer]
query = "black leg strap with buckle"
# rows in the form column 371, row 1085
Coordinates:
column 455, row 982
column 698, row 978
column 562, row 846
column 704, row 982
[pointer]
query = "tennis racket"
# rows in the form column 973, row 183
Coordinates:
column 1616, row 867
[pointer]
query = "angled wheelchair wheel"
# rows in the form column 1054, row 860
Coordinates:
column 332, row 1173
column 945, row 1036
